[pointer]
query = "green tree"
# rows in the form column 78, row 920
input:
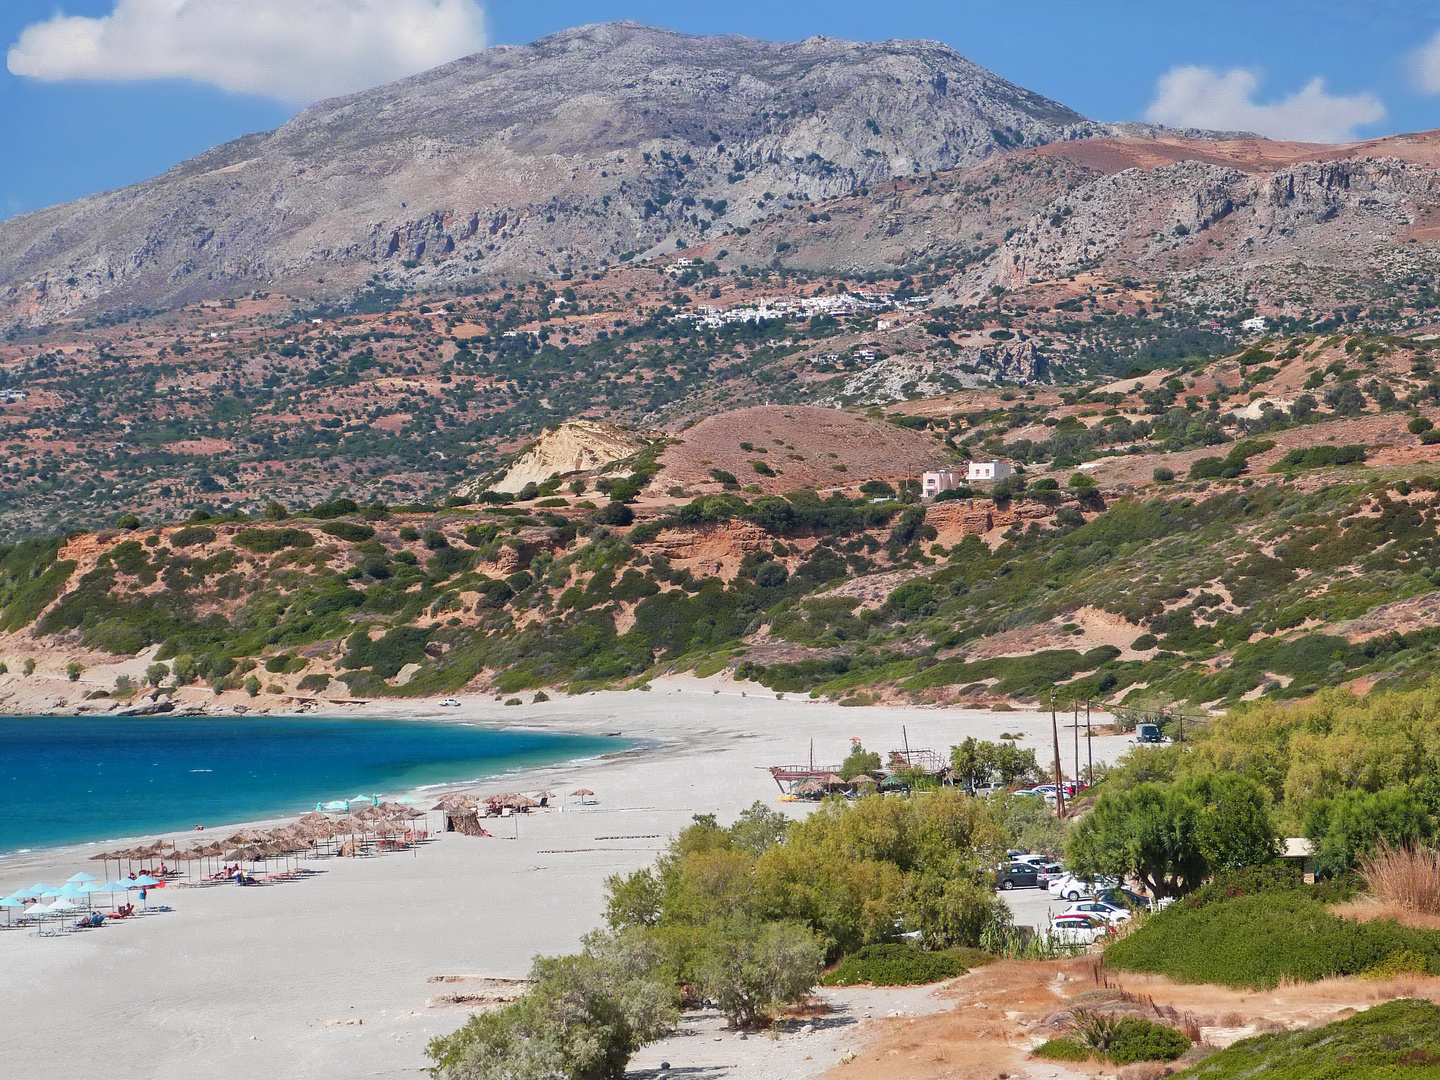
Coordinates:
column 859, row 761
column 583, row 1019
column 1028, row 822
column 759, row 828
column 1235, row 827
column 974, row 762
column 1149, row 833
column 1350, row 825
column 156, row 673
column 73, row 670
column 752, row 966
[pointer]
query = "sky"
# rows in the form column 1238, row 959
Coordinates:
column 96, row 94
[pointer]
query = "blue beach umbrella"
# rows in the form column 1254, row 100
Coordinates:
column 79, row 879
column 145, row 881
column 10, row 904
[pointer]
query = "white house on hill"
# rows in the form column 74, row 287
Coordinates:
column 988, row 470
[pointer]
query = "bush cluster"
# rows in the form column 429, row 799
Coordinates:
column 896, row 964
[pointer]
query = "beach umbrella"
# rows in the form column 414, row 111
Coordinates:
column 110, row 888
column 145, row 882
column 34, row 892
column 79, row 879
column 10, row 904
column 313, row 818
column 583, row 794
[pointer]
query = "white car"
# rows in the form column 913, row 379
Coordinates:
column 1078, row 929
column 450, row 703
column 1111, row 913
column 1070, row 887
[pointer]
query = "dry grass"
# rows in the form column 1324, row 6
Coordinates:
column 1369, row 909
column 1407, row 876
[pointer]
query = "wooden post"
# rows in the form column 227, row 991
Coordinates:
column 1059, row 778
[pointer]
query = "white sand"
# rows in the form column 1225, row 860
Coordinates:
column 330, row 976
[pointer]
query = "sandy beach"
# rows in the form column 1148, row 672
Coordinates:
column 348, row 972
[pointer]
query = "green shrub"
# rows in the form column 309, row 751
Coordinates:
column 1125, row 1040
column 269, row 541
column 1396, row 1039
column 335, row 508
column 1064, row 1048
column 1259, row 939
column 1320, row 457
column 192, row 537
column 314, row 682
column 348, row 531
column 895, row 964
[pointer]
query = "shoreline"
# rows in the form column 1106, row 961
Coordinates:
column 347, row 970
column 82, row 849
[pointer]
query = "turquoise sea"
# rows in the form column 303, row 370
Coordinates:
column 69, row 780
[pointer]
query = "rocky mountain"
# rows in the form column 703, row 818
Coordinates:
column 579, row 149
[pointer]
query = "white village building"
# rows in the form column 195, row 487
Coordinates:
column 988, row 470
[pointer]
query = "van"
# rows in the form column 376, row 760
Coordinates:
column 1148, row 733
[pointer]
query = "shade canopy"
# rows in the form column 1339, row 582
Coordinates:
column 11, row 902
column 145, row 881
column 80, row 879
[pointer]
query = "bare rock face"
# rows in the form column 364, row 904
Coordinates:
column 575, row 447
column 908, row 376
column 581, row 147
column 1209, row 223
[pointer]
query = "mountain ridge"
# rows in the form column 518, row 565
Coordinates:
column 518, row 154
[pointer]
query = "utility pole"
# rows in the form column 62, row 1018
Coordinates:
column 1059, row 778
column 1089, row 746
column 1077, row 740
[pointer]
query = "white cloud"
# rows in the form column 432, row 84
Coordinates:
column 1425, row 66
column 1204, row 98
column 294, row 50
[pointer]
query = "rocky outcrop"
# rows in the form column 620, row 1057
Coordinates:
column 907, row 376
column 575, row 447
column 1209, row 220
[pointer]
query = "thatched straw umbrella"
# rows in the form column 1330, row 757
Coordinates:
column 583, row 794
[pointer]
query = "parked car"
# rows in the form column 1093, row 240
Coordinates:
column 1111, row 913
column 450, row 703
column 1069, row 887
column 1148, row 733
column 1034, row 858
column 1017, row 875
column 1126, row 899
column 1078, row 929
column 1049, row 872
column 986, row 790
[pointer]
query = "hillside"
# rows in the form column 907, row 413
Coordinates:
column 570, row 152
column 1264, row 523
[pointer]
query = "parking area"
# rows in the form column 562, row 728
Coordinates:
column 1033, row 907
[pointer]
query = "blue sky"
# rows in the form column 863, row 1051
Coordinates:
column 122, row 89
